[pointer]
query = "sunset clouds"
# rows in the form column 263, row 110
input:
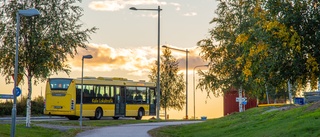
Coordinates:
column 116, row 5
column 136, row 62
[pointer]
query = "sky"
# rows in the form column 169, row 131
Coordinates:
column 125, row 44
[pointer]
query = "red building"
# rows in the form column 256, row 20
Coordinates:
column 230, row 105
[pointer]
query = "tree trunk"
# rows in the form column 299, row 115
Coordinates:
column 165, row 113
column 28, row 114
column 289, row 91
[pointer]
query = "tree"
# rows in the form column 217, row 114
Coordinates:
column 281, row 45
column 172, row 84
column 45, row 41
column 263, row 43
column 222, row 51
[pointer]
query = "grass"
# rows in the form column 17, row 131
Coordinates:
column 289, row 121
column 94, row 123
column 293, row 121
column 37, row 131
column 22, row 131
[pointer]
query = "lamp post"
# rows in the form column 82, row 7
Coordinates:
column 194, row 90
column 27, row 13
column 81, row 95
column 186, row 74
column 158, row 60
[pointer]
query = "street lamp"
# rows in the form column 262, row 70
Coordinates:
column 81, row 95
column 27, row 13
column 194, row 90
column 158, row 63
column 164, row 46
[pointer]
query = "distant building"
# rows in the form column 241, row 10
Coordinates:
column 231, row 106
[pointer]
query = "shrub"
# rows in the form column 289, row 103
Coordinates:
column 37, row 105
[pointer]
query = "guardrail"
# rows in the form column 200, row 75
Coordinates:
column 312, row 96
column 271, row 105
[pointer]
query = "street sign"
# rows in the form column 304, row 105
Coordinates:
column 18, row 91
column 244, row 99
column 244, row 102
column 6, row 96
column 19, row 77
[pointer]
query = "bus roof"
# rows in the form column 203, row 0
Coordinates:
column 116, row 81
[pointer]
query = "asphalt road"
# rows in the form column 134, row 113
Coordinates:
column 130, row 130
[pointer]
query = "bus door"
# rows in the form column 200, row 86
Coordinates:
column 120, row 101
column 152, row 107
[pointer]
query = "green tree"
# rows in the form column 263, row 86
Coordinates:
column 263, row 43
column 45, row 41
column 281, row 45
column 222, row 51
column 172, row 84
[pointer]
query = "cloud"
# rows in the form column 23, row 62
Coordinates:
column 177, row 5
column 190, row 14
column 134, row 62
column 106, row 5
column 106, row 58
column 114, row 5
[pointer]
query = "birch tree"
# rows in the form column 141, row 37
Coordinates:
column 45, row 43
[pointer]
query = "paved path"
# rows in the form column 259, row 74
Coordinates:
column 130, row 130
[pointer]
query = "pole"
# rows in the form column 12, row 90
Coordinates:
column 186, row 75
column 194, row 95
column 158, row 61
column 14, row 107
column 240, row 99
column 267, row 93
column 194, row 90
column 158, row 68
column 186, row 83
column 81, row 95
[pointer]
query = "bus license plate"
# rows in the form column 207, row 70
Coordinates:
column 58, row 107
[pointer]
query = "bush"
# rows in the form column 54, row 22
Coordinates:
column 37, row 105
column 6, row 108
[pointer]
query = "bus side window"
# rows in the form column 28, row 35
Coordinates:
column 86, row 93
column 78, row 92
column 92, row 93
column 99, row 95
column 111, row 91
column 98, row 90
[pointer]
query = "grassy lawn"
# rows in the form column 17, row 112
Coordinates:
column 289, row 121
column 22, row 131
column 36, row 131
column 93, row 123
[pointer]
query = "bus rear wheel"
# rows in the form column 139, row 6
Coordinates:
column 140, row 114
column 98, row 114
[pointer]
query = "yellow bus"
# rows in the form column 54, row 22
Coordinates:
column 102, row 97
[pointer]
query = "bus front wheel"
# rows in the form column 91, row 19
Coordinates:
column 140, row 114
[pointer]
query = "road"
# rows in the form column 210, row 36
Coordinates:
column 130, row 130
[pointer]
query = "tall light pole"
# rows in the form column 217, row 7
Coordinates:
column 27, row 13
column 158, row 60
column 81, row 95
column 186, row 74
column 194, row 90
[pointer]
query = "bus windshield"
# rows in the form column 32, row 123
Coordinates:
column 59, row 84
